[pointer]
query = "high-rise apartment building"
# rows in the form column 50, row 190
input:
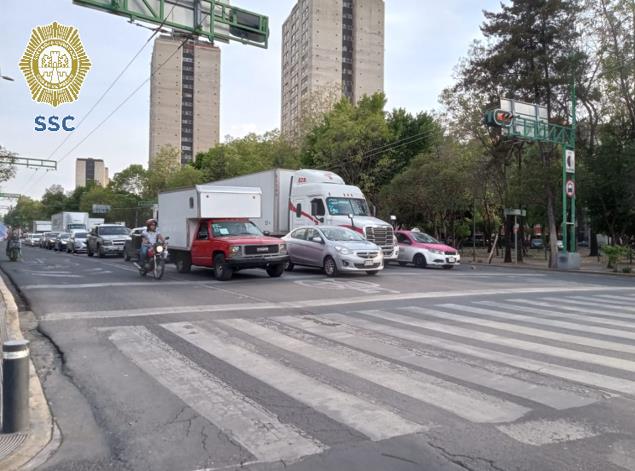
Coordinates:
column 330, row 45
column 90, row 170
column 184, row 96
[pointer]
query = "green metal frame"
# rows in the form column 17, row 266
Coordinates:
column 32, row 163
column 11, row 196
column 222, row 13
column 540, row 131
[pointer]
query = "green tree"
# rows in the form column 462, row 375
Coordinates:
column 25, row 212
column 132, row 179
column 350, row 141
column 186, row 177
column 252, row 153
column 529, row 54
column 7, row 170
column 165, row 163
column 54, row 200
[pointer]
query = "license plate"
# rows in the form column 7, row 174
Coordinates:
column 451, row 259
column 368, row 263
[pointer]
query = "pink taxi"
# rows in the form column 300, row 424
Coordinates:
column 423, row 250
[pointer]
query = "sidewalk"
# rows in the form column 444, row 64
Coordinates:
column 536, row 260
column 18, row 450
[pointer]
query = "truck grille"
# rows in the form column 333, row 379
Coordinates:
column 382, row 236
column 260, row 249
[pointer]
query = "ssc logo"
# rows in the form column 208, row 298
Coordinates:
column 55, row 64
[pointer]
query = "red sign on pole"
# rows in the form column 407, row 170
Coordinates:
column 570, row 188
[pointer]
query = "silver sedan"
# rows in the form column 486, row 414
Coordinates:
column 335, row 249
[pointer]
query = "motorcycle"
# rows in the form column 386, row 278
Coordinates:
column 14, row 250
column 155, row 260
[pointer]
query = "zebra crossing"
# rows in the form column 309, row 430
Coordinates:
column 504, row 365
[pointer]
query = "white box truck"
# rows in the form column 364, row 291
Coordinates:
column 92, row 222
column 295, row 198
column 41, row 226
column 211, row 226
column 68, row 221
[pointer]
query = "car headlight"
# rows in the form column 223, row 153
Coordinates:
column 234, row 249
column 342, row 250
column 107, row 242
column 159, row 248
column 282, row 248
column 436, row 251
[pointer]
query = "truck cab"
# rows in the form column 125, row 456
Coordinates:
column 321, row 197
column 228, row 245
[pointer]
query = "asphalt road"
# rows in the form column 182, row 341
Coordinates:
column 474, row 368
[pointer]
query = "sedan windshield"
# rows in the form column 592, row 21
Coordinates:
column 235, row 228
column 113, row 230
column 424, row 238
column 340, row 234
column 346, row 206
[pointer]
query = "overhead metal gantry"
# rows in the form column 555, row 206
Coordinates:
column 30, row 163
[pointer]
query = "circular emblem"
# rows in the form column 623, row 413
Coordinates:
column 570, row 188
column 54, row 64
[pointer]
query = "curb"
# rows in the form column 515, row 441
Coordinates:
column 41, row 425
column 549, row 270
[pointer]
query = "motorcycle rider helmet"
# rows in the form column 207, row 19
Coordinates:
column 150, row 222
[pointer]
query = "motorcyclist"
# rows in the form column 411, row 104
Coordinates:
column 149, row 237
column 13, row 240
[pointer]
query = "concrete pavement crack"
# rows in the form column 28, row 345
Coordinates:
column 460, row 459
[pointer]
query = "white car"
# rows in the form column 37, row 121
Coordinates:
column 422, row 251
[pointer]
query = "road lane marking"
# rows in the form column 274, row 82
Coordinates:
column 534, row 347
column 311, row 303
column 521, row 329
column 383, row 345
column 577, row 311
column 256, row 429
column 559, row 314
column 557, row 304
column 597, row 380
column 465, row 402
column 372, row 420
column 602, row 301
column 147, row 283
column 593, row 303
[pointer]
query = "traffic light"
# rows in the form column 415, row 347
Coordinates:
column 498, row 118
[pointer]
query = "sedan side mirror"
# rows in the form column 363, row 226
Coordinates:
column 167, row 238
column 267, row 233
column 318, row 240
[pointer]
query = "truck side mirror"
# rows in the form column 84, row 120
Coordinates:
column 298, row 210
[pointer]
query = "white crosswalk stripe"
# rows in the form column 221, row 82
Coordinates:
column 469, row 360
column 370, row 419
column 535, row 347
column 255, row 428
column 589, row 342
column 506, row 307
column 454, row 398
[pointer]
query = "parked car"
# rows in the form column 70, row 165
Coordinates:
column 60, row 241
column 107, row 239
column 131, row 247
column 423, row 250
column 48, row 241
column 77, row 242
column 537, row 244
column 334, row 248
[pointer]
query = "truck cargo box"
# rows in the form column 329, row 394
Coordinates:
column 181, row 210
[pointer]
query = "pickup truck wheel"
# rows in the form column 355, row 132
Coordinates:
column 420, row 261
column 183, row 263
column 100, row 252
column 330, row 268
column 222, row 271
column 275, row 271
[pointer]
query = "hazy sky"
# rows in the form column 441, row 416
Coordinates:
column 424, row 41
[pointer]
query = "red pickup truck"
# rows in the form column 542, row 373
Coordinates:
column 210, row 226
